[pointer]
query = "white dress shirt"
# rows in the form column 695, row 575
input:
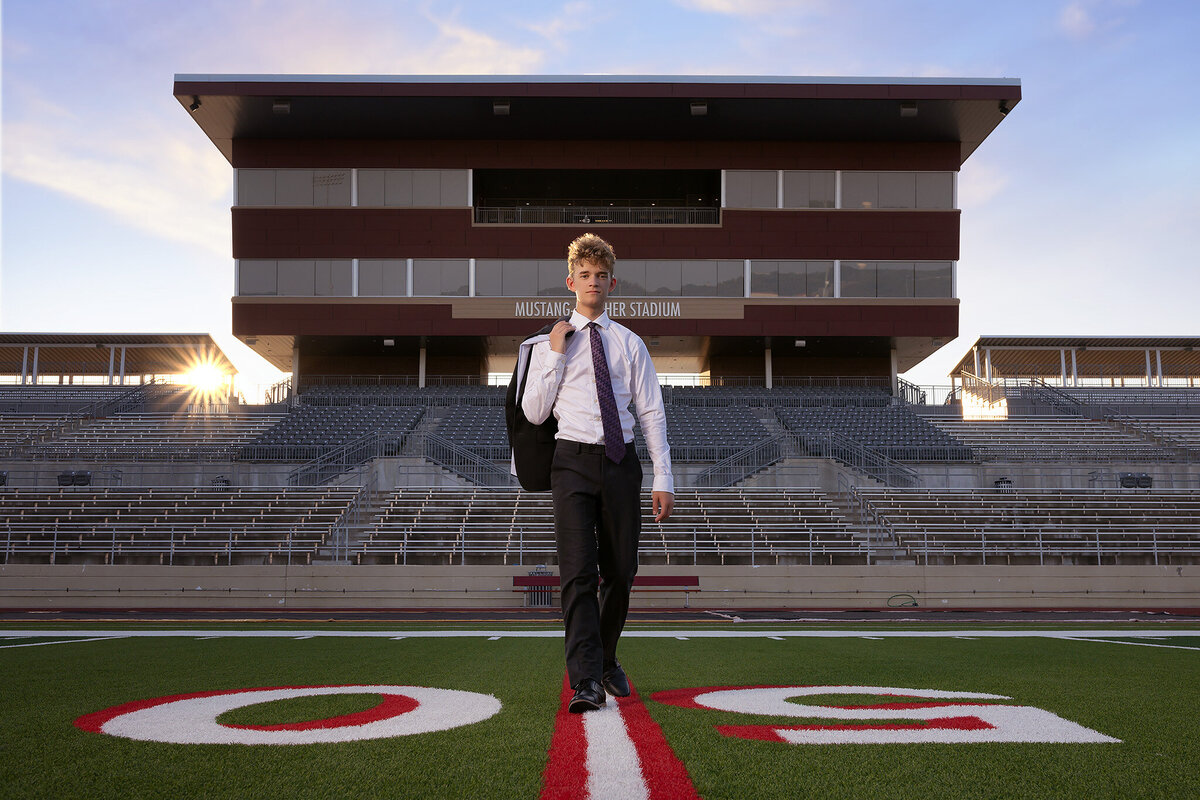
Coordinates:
column 565, row 383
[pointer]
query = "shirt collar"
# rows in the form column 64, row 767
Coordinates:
column 580, row 321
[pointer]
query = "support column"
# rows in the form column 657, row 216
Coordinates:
column 1062, row 369
column 122, row 366
column 975, row 352
column 1158, row 359
column 895, row 374
column 112, row 357
column 987, row 364
column 1149, row 369
column 421, row 365
column 295, row 369
column 34, row 377
column 768, row 366
column 24, row 365
column 1074, row 370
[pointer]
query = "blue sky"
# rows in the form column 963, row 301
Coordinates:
column 1080, row 213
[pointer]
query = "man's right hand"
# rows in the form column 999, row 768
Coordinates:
column 558, row 336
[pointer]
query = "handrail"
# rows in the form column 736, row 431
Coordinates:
column 742, row 464
column 911, row 393
column 862, row 459
column 464, row 463
column 597, row 215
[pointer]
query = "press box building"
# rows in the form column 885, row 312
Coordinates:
column 768, row 230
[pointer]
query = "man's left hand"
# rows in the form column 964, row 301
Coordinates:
column 662, row 504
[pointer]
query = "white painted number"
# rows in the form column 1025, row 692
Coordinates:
column 903, row 716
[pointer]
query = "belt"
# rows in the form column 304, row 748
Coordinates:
column 581, row 447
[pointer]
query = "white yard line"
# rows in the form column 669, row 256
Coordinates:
column 60, row 641
column 1139, row 644
column 682, row 635
column 614, row 772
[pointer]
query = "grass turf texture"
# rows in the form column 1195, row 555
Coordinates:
column 1144, row 696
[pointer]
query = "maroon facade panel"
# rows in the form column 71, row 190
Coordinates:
column 602, row 154
column 274, row 233
column 381, row 319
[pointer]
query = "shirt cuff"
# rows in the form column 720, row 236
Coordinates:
column 664, row 483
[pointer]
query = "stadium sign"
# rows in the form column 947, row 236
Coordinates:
column 617, row 309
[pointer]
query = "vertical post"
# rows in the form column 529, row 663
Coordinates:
column 837, row 189
column 421, row 365
column 1062, row 368
column 1158, row 359
column 354, row 188
column 722, row 188
column 1074, row 370
column 895, row 374
column 768, row 366
column 837, row 278
column 1149, row 371
column 354, row 277
column 746, row 278
column 409, row 277
column 779, row 188
column 987, row 358
column 36, row 353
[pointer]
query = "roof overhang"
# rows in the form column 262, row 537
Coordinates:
column 106, row 353
column 592, row 107
column 1109, row 357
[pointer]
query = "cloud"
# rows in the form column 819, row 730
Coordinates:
column 1076, row 21
column 162, row 184
column 138, row 157
column 749, row 8
column 575, row 16
column 978, row 183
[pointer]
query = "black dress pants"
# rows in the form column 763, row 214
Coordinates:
column 597, row 522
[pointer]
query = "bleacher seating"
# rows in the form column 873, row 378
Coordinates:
column 1018, row 525
column 1178, row 431
column 850, row 392
column 375, row 394
column 308, row 432
column 1051, row 438
column 19, row 429
column 55, row 398
column 895, row 431
column 155, row 437
column 747, row 526
column 169, row 525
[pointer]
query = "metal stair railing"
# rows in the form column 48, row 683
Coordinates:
column 74, row 420
column 911, row 393
column 1059, row 399
column 743, row 463
column 862, row 459
column 464, row 463
column 341, row 459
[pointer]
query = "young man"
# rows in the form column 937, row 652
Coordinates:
column 588, row 381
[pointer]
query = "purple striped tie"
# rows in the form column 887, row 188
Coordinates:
column 614, row 439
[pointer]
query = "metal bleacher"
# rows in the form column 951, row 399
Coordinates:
column 155, row 436
column 743, row 526
column 1051, row 439
column 170, row 525
column 1041, row 526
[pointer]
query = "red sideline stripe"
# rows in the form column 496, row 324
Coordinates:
column 666, row 777
column 565, row 776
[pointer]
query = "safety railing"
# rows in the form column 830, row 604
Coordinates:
column 597, row 215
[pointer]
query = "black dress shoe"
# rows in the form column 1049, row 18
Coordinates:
column 615, row 682
column 588, row 697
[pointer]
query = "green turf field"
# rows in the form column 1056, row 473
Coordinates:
column 1145, row 696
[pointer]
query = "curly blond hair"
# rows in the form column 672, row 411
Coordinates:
column 591, row 247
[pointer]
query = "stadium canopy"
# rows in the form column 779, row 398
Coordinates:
column 629, row 107
column 107, row 357
column 1084, row 360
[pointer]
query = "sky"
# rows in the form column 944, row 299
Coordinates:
column 1080, row 213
